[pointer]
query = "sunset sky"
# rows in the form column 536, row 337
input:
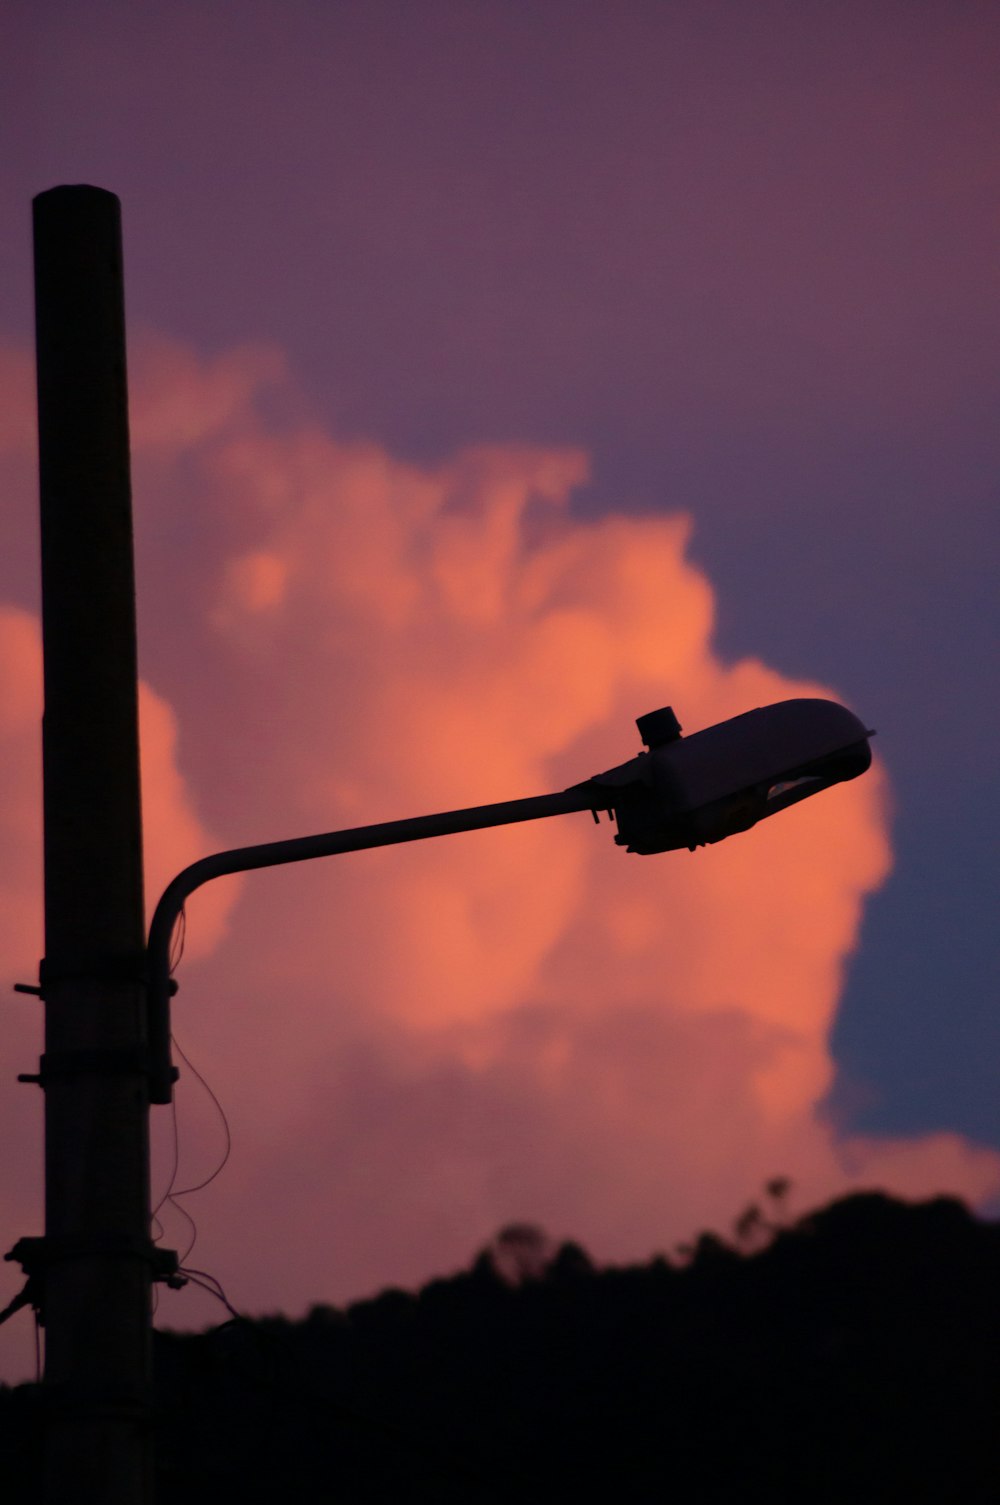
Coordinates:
column 500, row 372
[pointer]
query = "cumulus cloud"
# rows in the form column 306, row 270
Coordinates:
column 420, row 1044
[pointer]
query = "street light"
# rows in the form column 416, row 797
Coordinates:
column 681, row 792
column 106, row 996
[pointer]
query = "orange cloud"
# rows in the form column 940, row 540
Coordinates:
column 420, row 1044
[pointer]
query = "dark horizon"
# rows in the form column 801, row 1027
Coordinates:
column 850, row 1354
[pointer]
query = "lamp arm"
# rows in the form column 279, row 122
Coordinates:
column 587, row 796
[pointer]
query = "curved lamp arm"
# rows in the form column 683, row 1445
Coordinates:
column 683, row 792
column 587, row 796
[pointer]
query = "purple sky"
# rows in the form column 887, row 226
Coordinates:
column 743, row 256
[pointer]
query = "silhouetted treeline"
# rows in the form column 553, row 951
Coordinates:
column 853, row 1358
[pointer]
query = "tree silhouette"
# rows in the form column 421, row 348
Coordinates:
column 851, row 1356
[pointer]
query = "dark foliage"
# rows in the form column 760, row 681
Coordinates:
column 854, row 1357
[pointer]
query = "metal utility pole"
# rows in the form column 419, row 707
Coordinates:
column 95, row 1264
column 107, row 1047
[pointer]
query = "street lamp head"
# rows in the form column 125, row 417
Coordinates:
column 691, row 791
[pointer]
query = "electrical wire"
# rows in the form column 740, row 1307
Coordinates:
column 184, row 1191
column 214, row 1287
column 174, row 1192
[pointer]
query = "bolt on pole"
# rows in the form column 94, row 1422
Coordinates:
column 96, row 1256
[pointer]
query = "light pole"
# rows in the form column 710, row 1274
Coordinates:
column 106, row 996
column 93, row 1269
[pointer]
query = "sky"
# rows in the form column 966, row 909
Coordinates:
column 500, row 372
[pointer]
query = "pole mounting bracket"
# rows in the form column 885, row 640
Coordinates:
column 109, row 1061
column 33, row 1253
